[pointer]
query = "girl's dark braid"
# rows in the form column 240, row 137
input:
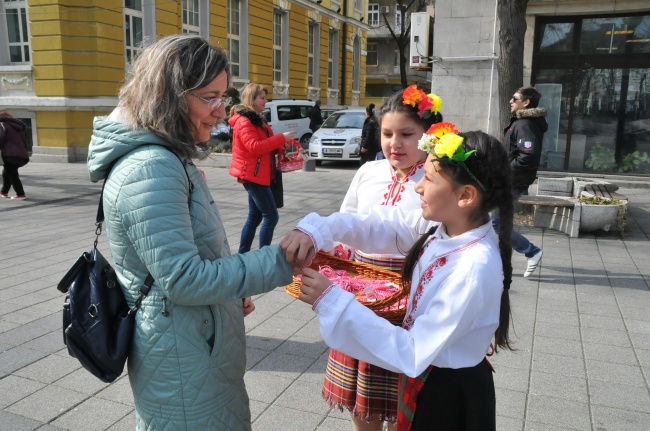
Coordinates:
column 491, row 166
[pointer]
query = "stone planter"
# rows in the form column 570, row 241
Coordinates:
column 595, row 217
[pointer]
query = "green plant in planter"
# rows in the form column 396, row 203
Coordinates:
column 597, row 200
column 601, row 158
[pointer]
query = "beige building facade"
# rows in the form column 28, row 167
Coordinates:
column 62, row 62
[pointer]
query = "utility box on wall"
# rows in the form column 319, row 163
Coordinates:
column 421, row 41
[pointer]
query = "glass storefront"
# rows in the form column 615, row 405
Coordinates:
column 593, row 75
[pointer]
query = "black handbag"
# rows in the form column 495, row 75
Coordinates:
column 97, row 322
column 277, row 189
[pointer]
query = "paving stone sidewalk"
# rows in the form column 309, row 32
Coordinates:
column 582, row 358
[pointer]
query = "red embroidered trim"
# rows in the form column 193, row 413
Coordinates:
column 427, row 274
column 394, row 183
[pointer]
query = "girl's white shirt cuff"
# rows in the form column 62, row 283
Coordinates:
column 314, row 226
column 332, row 302
column 313, row 307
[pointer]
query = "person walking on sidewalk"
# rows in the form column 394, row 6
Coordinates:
column 13, row 148
column 523, row 141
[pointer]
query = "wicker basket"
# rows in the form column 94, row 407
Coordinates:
column 384, row 307
column 291, row 162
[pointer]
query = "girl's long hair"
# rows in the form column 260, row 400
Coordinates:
column 153, row 97
column 491, row 166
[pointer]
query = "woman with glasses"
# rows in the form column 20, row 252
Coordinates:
column 188, row 355
column 254, row 152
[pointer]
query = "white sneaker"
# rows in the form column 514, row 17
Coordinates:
column 532, row 263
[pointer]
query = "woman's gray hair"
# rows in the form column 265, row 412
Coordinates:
column 163, row 73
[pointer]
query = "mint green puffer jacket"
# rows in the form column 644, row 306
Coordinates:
column 188, row 356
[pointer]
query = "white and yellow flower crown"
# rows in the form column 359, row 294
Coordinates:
column 443, row 142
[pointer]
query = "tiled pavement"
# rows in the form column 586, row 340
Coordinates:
column 582, row 358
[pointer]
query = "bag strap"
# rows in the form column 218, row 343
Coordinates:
column 144, row 290
column 99, row 219
column 100, row 209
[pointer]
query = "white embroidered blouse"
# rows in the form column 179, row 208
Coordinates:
column 375, row 183
column 454, row 303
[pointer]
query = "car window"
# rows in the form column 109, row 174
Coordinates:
column 292, row 112
column 266, row 113
column 345, row 120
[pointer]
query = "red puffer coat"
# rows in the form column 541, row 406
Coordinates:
column 253, row 148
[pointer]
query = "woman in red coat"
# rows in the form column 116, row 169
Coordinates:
column 254, row 151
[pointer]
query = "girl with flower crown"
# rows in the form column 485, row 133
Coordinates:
column 369, row 392
column 458, row 275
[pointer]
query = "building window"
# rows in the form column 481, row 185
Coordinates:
column 234, row 31
column 598, row 103
column 280, row 47
column 358, row 5
column 373, row 14
column 17, row 31
column 372, row 59
column 356, row 69
column 399, row 21
column 333, row 60
column 310, row 55
column 133, row 18
column 191, row 17
column 313, row 55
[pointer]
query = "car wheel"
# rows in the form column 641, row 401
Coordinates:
column 304, row 141
column 319, row 162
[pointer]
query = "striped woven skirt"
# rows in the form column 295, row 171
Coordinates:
column 368, row 391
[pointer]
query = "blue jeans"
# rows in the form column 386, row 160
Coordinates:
column 261, row 208
column 520, row 243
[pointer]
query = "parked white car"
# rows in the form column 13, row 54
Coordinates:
column 339, row 137
column 290, row 115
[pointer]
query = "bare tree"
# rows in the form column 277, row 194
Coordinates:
column 401, row 33
column 512, row 29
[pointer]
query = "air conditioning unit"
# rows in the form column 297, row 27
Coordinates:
column 421, row 41
column 384, row 9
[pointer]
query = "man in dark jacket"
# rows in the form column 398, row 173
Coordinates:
column 523, row 141
column 370, row 144
column 315, row 117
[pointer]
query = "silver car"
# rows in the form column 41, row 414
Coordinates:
column 339, row 137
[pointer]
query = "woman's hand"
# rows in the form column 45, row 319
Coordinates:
column 313, row 285
column 299, row 249
column 249, row 307
column 288, row 136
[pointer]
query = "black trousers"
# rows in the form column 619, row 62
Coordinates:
column 457, row 400
column 10, row 178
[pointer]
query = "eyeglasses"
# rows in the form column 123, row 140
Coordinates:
column 515, row 99
column 215, row 102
